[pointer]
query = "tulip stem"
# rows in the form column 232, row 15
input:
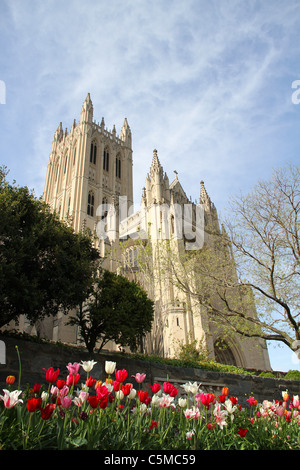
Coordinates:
column 19, row 359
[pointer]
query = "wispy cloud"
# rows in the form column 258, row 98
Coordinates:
column 204, row 82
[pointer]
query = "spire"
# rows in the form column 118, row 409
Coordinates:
column 87, row 110
column 126, row 133
column 204, row 198
column 155, row 160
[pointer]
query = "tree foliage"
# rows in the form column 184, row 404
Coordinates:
column 117, row 310
column 44, row 265
column 247, row 275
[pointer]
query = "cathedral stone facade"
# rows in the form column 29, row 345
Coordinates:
column 89, row 184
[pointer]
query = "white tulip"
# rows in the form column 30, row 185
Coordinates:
column 110, row 367
column 88, row 365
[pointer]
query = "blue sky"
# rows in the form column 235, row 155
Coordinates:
column 208, row 83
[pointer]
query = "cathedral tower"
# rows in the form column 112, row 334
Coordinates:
column 88, row 168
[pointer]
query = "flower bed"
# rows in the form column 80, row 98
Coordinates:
column 74, row 410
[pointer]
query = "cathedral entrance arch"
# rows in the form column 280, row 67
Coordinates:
column 224, row 353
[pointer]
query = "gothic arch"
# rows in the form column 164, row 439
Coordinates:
column 106, row 157
column 225, row 353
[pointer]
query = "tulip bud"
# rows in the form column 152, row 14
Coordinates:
column 225, row 391
column 10, row 379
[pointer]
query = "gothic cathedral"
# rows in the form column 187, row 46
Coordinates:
column 89, row 183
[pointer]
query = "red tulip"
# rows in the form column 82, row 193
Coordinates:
column 242, row 432
column 252, row 401
column 46, row 412
column 90, row 382
column 36, row 388
column 33, row 404
column 126, row 389
column 51, row 375
column 102, row 392
column 169, row 388
column 142, row 395
column 234, row 400
column 60, row 384
column 155, row 387
column 116, row 385
column 103, row 402
column 153, row 424
column 72, row 379
column 207, row 399
column 121, row 375
column 93, row 401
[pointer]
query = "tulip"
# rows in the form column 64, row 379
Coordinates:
column 103, row 402
column 155, row 387
column 33, row 404
column 98, row 384
column 87, row 365
column 10, row 399
column 174, row 392
column 170, row 389
column 73, row 368
column 182, row 402
column 225, row 391
column 126, row 389
column 121, row 375
column 189, row 434
column 119, row 395
column 102, row 392
column 64, row 391
column 234, row 400
column 142, row 395
column 90, row 382
column 66, row 401
column 36, row 388
column 139, row 377
column 72, row 379
column 110, row 367
column 51, row 375
column 60, row 384
column 47, row 411
column 295, row 401
column 116, row 385
column 45, row 396
column 252, row 401
column 242, row 432
column 285, row 395
column 153, row 424
column 93, row 401
column 10, row 379
column 132, row 394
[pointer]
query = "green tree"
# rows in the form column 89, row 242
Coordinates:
column 117, row 310
column 247, row 274
column 44, row 265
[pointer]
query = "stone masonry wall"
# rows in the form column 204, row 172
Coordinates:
column 35, row 357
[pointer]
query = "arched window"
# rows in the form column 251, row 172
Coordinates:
column 118, row 166
column 91, row 203
column 106, row 160
column 93, row 153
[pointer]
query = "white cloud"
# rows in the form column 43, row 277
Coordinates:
column 195, row 79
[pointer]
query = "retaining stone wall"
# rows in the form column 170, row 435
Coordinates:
column 35, row 357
